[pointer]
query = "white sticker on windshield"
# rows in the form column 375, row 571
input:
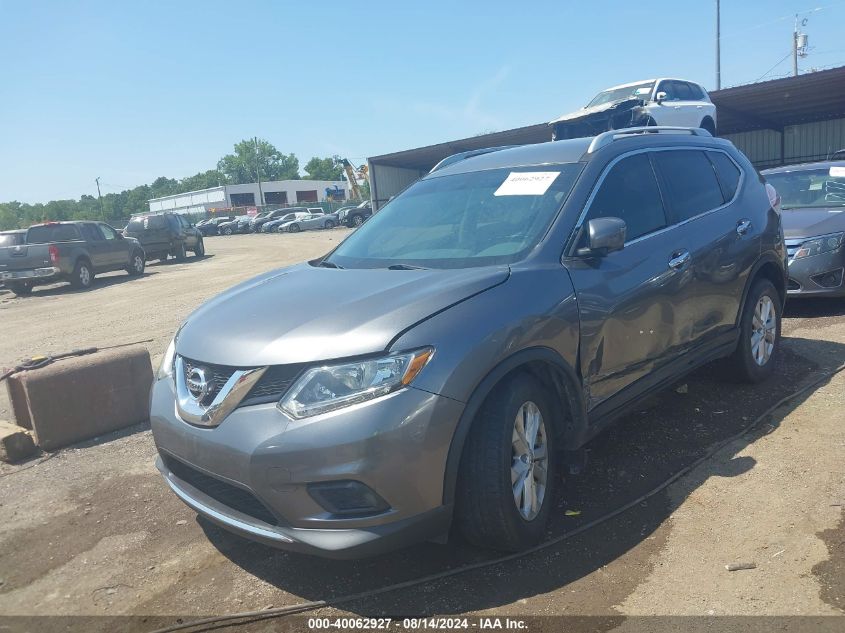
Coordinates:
column 837, row 172
column 643, row 91
column 527, row 183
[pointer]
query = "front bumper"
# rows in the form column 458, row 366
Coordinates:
column 817, row 276
column 264, row 461
column 26, row 275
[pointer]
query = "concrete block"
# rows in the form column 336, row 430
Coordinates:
column 78, row 398
column 15, row 442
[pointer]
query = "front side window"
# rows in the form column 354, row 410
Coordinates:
column 90, row 233
column 810, row 188
column 689, row 182
column 630, row 192
column 108, row 232
column 11, row 239
column 481, row 218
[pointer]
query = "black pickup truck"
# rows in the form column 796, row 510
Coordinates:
column 68, row 251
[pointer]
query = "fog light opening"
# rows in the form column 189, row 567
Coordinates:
column 830, row 279
column 347, row 498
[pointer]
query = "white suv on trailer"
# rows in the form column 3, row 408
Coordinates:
column 667, row 102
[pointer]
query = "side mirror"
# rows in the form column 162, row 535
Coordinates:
column 660, row 97
column 604, row 235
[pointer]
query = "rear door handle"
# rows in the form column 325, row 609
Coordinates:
column 743, row 226
column 679, row 259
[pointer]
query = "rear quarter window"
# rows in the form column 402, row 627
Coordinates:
column 727, row 172
column 689, row 183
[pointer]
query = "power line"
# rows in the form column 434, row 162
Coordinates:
column 783, row 59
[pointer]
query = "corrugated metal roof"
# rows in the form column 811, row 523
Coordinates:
column 774, row 104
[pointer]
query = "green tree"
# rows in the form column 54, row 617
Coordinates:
column 253, row 157
column 324, row 168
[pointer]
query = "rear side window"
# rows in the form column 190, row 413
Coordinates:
column 91, row 233
column 689, row 183
column 52, row 233
column 682, row 91
column 728, row 174
column 630, row 192
column 696, row 93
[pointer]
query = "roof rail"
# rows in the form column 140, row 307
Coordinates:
column 454, row 158
column 605, row 138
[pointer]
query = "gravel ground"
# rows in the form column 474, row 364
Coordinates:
column 93, row 531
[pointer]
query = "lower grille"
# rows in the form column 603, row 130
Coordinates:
column 791, row 284
column 231, row 496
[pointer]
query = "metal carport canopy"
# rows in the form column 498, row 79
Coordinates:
column 816, row 96
column 424, row 158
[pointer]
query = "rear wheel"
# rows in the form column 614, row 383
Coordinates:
column 707, row 124
column 759, row 336
column 329, row 224
column 136, row 264
column 20, row 288
column 507, row 479
column 83, row 275
column 357, row 220
column 227, row 231
column 199, row 251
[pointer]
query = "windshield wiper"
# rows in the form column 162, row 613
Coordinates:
column 327, row 264
column 405, row 267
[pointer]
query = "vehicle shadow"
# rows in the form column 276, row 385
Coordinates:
column 100, row 282
column 170, row 261
column 666, row 434
column 812, row 308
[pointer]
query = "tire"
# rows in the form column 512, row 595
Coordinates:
column 707, row 124
column 356, row 220
column 20, row 288
column 227, row 231
column 759, row 341
column 180, row 253
column 486, row 512
column 329, row 224
column 199, row 251
column 83, row 275
column 136, row 264
column 293, row 228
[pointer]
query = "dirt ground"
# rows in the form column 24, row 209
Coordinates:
column 94, row 531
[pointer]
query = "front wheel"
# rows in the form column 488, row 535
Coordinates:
column 179, row 252
column 199, row 251
column 329, row 224
column 507, row 478
column 759, row 334
column 357, row 220
column 136, row 265
column 293, row 228
column 227, row 231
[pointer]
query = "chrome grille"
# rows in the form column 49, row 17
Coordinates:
column 792, row 247
column 270, row 388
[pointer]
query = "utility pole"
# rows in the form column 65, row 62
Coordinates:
column 258, row 172
column 795, row 48
column 100, row 198
column 718, row 47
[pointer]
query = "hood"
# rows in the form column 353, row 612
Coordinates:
column 303, row 313
column 584, row 112
column 812, row 222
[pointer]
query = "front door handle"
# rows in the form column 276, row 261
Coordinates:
column 679, row 259
column 743, row 226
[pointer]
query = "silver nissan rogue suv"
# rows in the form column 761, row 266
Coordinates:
column 439, row 364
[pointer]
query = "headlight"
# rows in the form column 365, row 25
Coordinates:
column 324, row 389
column 166, row 368
column 819, row 245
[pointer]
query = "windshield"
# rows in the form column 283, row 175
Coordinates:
column 638, row 91
column 463, row 220
column 810, row 188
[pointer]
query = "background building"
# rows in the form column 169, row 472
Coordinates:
column 777, row 122
column 275, row 192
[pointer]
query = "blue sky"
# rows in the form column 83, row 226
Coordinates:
column 133, row 91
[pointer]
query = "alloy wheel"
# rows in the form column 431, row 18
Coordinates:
column 763, row 330
column 530, row 460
